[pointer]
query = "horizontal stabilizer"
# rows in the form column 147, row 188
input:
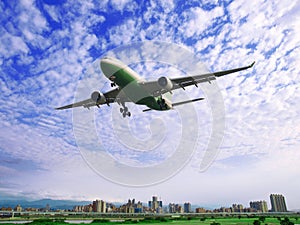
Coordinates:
column 188, row 101
column 179, row 103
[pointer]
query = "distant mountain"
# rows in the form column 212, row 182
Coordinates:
column 53, row 204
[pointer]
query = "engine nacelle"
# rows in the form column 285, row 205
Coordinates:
column 165, row 83
column 98, row 97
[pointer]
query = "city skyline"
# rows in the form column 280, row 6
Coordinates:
column 47, row 48
column 157, row 205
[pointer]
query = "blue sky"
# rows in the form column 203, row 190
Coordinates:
column 47, row 46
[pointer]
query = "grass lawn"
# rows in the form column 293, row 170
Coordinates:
column 185, row 221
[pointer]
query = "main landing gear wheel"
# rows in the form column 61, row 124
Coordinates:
column 124, row 111
column 162, row 103
column 126, row 114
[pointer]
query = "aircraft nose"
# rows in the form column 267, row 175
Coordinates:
column 110, row 66
column 105, row 61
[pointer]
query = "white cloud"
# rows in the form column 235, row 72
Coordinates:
column 168, row 6
column 12, row 45
column 53, row 12
column 123, row 34
column 198, row 20
column 31, row 129
column 6, row 172
column 120, row 4
column 261, row 103
column 31, row 17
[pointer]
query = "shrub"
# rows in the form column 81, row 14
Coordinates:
column 215, row 223
column 286, row 221
column 262, row 218
column 256, row 222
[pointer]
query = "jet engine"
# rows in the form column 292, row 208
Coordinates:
column 98, row 97
column 165, row 83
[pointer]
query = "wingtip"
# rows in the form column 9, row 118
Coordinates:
column 252, row 64
column 198, row 99
column 60, row 108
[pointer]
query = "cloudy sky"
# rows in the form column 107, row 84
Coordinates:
column 46, row 48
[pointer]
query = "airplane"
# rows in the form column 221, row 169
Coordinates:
column 130, row 87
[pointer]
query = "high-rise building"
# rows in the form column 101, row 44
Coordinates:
column 18, row 208
column 131, row 207
column 200, row 210
column 237, row 208
column 259, row 206
column 172, row 208
column 88, row 208
column 138, row 207
column 175, row 208
column 103, row 206
column 150, row 204
column 278, row 203
column 160, row 204
column 187, row 207
column 155, row 204
column 99, row 206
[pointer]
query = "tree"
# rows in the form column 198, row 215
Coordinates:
column 286, row 221
column 214, row 223
column 256, row 222
column 203, row 218
column 262, row 218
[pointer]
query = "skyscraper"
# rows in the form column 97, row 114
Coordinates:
column 155, row 204
column 278, row 203
column 99, row 206
column 259, row 206
column 187, row 208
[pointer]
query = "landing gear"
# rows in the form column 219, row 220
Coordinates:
column 162, row 103
column 124, row 111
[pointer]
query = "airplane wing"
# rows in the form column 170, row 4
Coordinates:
column 85, row 103
column 110, row 97
column 182, row 82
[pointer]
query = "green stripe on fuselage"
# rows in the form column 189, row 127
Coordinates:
column 128, row 82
